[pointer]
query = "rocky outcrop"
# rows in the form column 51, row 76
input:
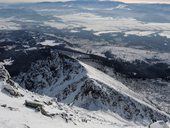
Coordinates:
column 9, row 86
column 158, row 124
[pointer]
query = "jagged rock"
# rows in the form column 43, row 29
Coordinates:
column 46, row 113
column 159, row 124
column 38, row 106
column 12, row 83
column 4, row 75
column 4, row 105
column 48, row 103
column 84, row 120
column 33, row 104
column 26, row 126
column 12, row 91
column 65, row 117
column 9, row 85
column 10, row 108
column 13, row 109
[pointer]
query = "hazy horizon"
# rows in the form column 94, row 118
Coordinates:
column 126, row 1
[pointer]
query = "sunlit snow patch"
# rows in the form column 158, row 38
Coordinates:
column 49, row 43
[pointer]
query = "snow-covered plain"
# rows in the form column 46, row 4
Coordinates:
column 101, row 25
column 6, row 24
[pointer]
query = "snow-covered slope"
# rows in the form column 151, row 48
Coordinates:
column 77, row 84
column 20, row 108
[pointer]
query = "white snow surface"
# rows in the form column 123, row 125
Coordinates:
column 102, row 77
column 49, row 43
column 77, row 117
column 23, row 117
column 113, row 83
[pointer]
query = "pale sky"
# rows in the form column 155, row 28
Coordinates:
column 126, row 1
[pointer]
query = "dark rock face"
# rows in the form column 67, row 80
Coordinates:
column 46, row 72
column 24, row 48
column 4, row 75
column 99, row 96
column 23, row 60
column 9, row 86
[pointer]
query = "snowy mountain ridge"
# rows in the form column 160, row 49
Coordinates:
column 91, row 98
column 49, row 112
column 77, row 84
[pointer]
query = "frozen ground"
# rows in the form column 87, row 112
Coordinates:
column 101, row 25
